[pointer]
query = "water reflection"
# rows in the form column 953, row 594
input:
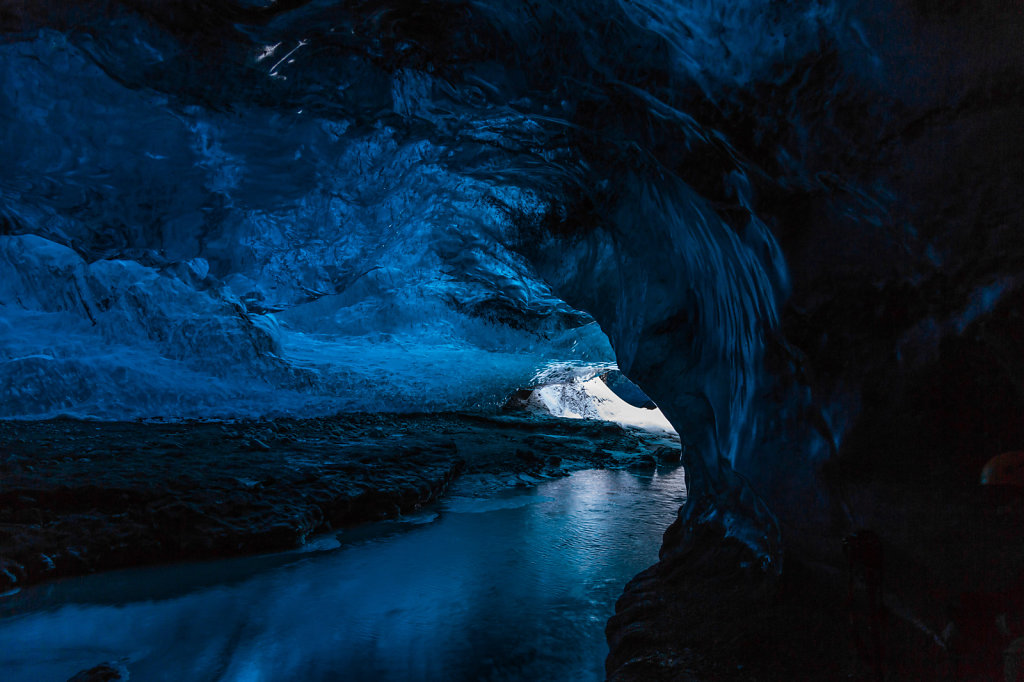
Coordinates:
column 495, row 585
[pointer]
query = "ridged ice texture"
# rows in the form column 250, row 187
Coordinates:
column 335, row 188
column 386, row 204
column 222, row 210
column 173, row 261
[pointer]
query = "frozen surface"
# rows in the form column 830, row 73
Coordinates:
column 506, row 585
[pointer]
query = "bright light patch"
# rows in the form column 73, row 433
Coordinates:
column 593, row 399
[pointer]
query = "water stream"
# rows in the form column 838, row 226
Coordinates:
column 492, row 584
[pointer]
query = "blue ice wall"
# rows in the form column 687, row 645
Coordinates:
column 172, row 260
column 224, row 208
column 321, row 201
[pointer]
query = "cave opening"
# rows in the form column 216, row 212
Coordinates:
column 270, row 270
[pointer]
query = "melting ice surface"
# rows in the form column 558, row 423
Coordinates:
column 495, row 585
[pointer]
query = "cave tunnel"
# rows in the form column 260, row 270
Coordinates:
column 274, row 272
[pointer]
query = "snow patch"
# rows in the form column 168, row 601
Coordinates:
column 593, row 399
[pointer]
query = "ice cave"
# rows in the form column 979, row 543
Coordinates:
column 638, row 340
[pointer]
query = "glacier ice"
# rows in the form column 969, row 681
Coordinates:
column 176, row 262
column 305, row 207
column 232, row 208
column 117, row 339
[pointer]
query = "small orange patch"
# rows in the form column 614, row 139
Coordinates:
column 1004, row 469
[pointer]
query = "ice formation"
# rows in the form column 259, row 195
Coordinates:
column 168, row 260
column 228, row 208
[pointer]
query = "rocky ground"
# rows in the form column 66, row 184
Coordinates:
column 78, row 497
column 948, row 598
